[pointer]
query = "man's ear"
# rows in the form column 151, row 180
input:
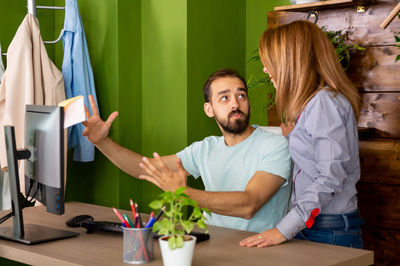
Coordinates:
column 208, row 109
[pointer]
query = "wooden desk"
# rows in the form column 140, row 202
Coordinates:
column 103, row 248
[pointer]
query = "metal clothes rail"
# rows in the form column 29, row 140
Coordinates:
column 32, row 7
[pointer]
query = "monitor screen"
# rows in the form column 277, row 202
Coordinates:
column 44, row 173
column 44, row 170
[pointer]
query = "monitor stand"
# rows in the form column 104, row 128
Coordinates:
column 34, row 234
column 30, row 233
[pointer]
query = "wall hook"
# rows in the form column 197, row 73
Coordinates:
column 313, row 13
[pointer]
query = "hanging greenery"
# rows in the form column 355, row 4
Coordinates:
column 259, row 77
column 397, row 39
column 342, row 46
column 340, row 41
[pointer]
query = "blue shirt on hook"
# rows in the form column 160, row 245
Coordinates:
column 78, row 76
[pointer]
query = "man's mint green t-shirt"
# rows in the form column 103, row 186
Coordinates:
column 230, row 168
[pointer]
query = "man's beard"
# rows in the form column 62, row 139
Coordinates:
column 237, row 126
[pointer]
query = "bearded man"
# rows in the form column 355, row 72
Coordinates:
column 246, row 171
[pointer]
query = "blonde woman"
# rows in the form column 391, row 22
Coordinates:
column 319, row 103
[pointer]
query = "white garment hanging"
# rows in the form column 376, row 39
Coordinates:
column 30, row 78
column 1, row 65
column 5, row 198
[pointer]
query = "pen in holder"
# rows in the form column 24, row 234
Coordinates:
column 138, row 245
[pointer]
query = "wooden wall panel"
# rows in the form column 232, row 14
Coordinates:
column 380, row 205
column 364, row 27
column 384, row 243
column 374, row 69
column 380, row 161
column 380, row 113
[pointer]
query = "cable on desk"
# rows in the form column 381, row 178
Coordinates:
column 25, row 202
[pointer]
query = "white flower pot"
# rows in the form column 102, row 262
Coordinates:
column 177, row 257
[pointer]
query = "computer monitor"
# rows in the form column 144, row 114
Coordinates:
column 44, row 172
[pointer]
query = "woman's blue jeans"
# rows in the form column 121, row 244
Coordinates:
column 336, row 229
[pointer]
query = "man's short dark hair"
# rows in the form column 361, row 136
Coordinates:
column 222, row 73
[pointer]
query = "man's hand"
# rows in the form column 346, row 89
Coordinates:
column 267, row 238
column 286, row 129
column 95, row 128
column 163, row 177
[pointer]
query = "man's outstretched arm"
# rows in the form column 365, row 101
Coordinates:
column 261, row 187
column 96, row 131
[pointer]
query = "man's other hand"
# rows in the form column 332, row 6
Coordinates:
column 95, row 128
column 158, row 173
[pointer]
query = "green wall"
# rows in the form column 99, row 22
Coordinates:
column 98, row 182
column 150, row 60
column 164, row 79
column 11, row 15
column 215, row 40
column 130, row 90
column 256, row 24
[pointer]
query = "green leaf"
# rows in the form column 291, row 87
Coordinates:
column 179, row 232
column 179, row 191
column 163, row 231
column 255, row 58
column 360, row 48
column 172, row 243
column 179, row 242
column 201, row 224
column 197, row 213
column 156, row 204
column 187, row 226
column 166, row 224
column 397, row 38
column 165, row 194
column 206, row 210
column 164, row 227
column 184, row 195
column 397, row 58
column 189, row 202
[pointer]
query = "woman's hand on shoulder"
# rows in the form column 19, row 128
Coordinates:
column 286, row 129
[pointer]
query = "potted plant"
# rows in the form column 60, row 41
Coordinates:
column 176, row 247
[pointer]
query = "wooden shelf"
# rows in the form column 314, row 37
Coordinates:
column 322, row 5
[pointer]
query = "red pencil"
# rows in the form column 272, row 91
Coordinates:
column 133, row 208
column 120, row 217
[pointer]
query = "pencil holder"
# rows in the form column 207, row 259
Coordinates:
column 138, row 245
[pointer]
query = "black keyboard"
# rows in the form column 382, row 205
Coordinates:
column 87, row 221
column 102, row 226
column 116, row 228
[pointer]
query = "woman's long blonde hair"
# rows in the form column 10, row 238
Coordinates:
column 301, row 60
